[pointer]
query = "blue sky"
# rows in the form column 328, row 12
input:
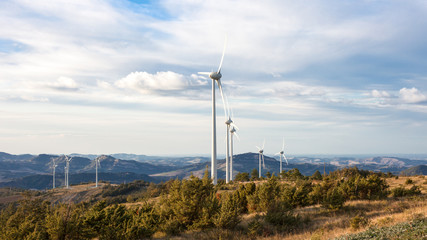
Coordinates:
column 330, row 77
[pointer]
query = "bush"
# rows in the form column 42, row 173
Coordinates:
column 228, row 215
column 358, row 222
column 334, row 199
column 242, row 177
column 255, row 227
column 403, row 192
column 281, row 216
column 409, row 181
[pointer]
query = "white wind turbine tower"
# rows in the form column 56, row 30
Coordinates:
column 216, row 77
column 282, row 153
column 53, row 168
column 261, row 156
column 67, row 170
column 97, row 164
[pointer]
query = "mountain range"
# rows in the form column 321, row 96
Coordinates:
column 35, row 171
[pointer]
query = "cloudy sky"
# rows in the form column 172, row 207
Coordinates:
column 111, row 76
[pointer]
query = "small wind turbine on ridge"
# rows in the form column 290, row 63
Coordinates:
column 97, row 164
column 53, row 168
column 67, row 170
column 282, row 153
column 261, row 157
column 233, row 132
column 216, row 77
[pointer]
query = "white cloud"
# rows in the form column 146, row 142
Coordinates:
column 380, row 94
column 411, row 95
column 64, row 84
column 161, row 81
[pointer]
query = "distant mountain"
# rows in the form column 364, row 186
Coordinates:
column 154, row 160
column 417, row 170
column 246, row 162
column 46, row 181
column 16, row 167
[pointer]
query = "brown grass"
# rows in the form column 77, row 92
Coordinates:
column 327, row 225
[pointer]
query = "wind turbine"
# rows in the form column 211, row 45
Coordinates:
column 232, row 131
column 216, row 77
column 97, row 164
column 261, row 156
column 67, row 170
column 282, row 153
column 53, row 167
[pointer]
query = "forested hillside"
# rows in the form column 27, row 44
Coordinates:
column 290, row 205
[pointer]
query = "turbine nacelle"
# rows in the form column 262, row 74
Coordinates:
column 281, row 152
column 215, row 75
column 229, row 121
column 233, row 130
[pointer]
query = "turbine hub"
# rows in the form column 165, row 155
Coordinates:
column 282, row 152
column 261, row 151
column 215, row 75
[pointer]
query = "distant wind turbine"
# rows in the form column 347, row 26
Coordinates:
column 67, row 170
column 53, row 168
column 261, row 157
column 233, row 132
column 282, row 153
column 97, row 164
column 216, row 77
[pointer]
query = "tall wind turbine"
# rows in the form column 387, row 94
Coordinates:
column 67, row 170
column 216, row 77
column 261, row 157
column 282, row 153
column 53, row 168
column 97, row 164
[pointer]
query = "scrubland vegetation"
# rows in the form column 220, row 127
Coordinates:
column 348, row 203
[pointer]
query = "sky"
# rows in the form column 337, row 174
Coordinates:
column 118, row 76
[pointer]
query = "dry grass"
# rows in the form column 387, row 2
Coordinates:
column 327, row 225
column 417, row 180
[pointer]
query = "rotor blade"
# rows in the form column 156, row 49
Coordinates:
column 238, row 138
column 204, row 73
column 223, row 100
column 263, row 162
column 259, row 149
column 223, row 53
column 234, row 125
column 263, row 144
column 286, row 159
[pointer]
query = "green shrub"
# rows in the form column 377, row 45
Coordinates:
column 255, row 227
column 409, row 181
column 358, row 221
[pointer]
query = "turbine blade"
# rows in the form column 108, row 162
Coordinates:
column 263, row 144
column 223, row 100
column 286, row 159
column 235, row 126
column 258, row 148
column 238, row 138
column 204, row 73
column 263, row 162
column 223, row 53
